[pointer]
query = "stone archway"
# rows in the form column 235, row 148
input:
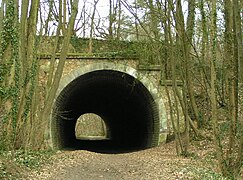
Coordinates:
column 127, row 100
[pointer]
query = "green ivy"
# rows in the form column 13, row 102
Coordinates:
column 32, row 78
column 10, row 38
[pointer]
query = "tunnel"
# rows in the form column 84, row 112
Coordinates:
column 122, row 101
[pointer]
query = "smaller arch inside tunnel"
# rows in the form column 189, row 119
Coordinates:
column 90, row 126
column 123, row 102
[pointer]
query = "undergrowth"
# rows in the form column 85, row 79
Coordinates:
column 201, row 173
column 14, row 164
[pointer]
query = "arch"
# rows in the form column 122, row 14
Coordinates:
column 111, row 72
column 91, row 126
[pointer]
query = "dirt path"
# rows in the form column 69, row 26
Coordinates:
column 156, row 163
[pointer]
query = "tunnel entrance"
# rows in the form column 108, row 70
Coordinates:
column 122, row 101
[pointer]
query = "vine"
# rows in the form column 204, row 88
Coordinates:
column 9, row 89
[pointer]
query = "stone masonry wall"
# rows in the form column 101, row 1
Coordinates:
column 154, row 74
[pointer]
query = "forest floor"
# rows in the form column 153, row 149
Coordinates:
column 156, row 163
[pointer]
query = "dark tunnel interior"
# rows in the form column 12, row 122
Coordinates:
column 123, row 102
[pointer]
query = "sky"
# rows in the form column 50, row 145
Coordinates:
column 102, row 14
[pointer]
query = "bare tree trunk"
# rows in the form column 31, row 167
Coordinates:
column 136, row 22
column 154, row 20
column 213, row 45
column 111, row 20
column 118, row 33
column 1, row 16
column 28, row 29
column 203, row 60
column 230, row 74
column 180, row 26
column 50, row 99
column 84, row 20
column 170, row 60
column 92, row 27
column 176, row 93
column 64, row 17
column 237, row 124
column 189, row 36
column 53, row 57
column 46, row 31
column 238, row 30
column 1, row 29
column 23, row 55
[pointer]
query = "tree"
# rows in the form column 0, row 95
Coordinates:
column 230, row 161
column 19, row 83
column 92, row 26
column 58, row 74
